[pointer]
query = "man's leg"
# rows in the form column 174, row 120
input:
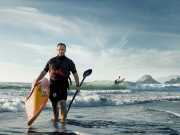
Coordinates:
column 55, row 111
column 54, row 99
column 63, row 110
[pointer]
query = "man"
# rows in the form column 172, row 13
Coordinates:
column 59, row 68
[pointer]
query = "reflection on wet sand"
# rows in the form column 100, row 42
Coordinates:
column 58, row 129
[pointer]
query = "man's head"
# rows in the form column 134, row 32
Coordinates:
column 61, row 49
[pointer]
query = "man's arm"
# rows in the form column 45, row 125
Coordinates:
column 76, row 78
column 41, row 75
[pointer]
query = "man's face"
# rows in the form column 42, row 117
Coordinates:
column 61, row 50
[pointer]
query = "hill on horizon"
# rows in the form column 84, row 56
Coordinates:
column 173, row 81
column 147, row 79
column 167, row 78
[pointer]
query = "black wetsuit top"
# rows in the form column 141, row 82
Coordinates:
column 59, row 68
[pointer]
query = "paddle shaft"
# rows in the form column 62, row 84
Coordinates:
column 75, row 95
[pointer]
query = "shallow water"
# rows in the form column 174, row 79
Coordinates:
column 98, row 112
column 139, row 119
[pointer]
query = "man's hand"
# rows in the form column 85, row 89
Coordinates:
column 44, row 92
column 76, row 77
column 37, row 81
column 78, row 88
column 35, row 84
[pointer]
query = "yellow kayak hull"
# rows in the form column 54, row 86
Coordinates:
column 36, row 101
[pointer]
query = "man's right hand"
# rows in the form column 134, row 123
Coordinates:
column 78, row 88
column 35, row 84
column 44, row 92
column 37, row 81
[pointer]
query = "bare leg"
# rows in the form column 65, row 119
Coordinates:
column 63, row 110
column 56, row 111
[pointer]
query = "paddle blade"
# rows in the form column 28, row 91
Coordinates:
column 87, row 73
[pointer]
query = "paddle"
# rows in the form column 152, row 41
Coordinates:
column 85, row 74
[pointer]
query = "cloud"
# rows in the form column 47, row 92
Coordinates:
column 110, row 51
column 33, row 18
column 130, row 63
column 29, row 59
column 27, row 19
column 31, row 22
column 12, row 72
column 20, row 53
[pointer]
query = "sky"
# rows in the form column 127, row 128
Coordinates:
column 113, row 37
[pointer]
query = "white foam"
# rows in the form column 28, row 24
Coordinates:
column 173, row 113
column 11, row 105
column 93, row 98
column 154, row 87
column 87, row 99
column 166, row 111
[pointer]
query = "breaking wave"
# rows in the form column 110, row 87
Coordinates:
column 9, row 103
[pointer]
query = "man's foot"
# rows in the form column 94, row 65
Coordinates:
column 63, row 121
column 57, row 124
column 53, row 120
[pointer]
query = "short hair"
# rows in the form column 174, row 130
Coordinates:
column 63, row 44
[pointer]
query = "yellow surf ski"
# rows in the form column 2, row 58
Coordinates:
column 36, row 101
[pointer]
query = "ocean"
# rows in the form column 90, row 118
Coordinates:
column 140, row 110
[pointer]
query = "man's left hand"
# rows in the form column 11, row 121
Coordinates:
column 78, row 88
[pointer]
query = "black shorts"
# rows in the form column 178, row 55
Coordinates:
column 58, row 90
